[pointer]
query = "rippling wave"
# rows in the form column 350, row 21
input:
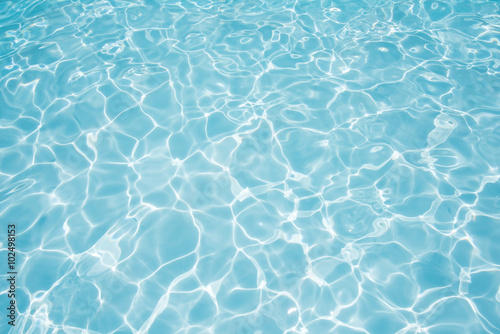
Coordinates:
column 251, row 167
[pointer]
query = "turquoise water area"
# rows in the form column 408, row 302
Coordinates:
column 251, row 167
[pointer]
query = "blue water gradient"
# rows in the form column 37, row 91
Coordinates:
column 259, row 167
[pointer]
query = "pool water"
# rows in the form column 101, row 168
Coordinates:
column 251, row 166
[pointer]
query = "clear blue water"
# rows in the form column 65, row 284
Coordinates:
column 251, row 166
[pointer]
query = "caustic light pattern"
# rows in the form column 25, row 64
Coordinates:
column 251, row 166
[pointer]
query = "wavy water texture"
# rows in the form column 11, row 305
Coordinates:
column 252, row 166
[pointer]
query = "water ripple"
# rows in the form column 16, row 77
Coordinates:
column 261, row 167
